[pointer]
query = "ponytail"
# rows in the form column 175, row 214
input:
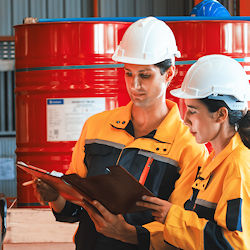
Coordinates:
column 244, row 129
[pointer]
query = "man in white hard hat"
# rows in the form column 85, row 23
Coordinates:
column 146, row 137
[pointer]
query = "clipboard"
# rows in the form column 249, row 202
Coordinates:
column 117, row 189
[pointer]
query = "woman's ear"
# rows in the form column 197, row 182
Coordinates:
column 221, row 114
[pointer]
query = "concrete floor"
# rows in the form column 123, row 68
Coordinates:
column 39, row 246
column 35, row 229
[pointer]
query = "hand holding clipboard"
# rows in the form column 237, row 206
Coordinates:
column 117, row 190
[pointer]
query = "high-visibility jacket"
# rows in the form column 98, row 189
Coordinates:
column 216, row 215
column 107, row 139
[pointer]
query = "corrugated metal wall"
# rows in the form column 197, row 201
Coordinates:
column 7, row 120
column 7, row 166
column 121, row 8
column 7, row 111
column 12, row 12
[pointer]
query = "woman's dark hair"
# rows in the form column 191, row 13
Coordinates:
column 236, row 118
column 244, row 129
column 164, row 65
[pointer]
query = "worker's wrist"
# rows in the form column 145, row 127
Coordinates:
column 58, row 204
column 129, row 234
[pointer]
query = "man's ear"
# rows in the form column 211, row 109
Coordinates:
column 221, row 114
column 170, row 73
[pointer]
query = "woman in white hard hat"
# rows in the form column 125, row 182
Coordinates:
column 147, row 137
column 216, row 216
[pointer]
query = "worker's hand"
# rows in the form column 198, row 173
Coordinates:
column 160, row 207
column 110, row 225
column 44, row 192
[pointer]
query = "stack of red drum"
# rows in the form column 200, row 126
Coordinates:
column 64, row 73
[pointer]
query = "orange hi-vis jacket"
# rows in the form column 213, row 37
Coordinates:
column 217, row 214
column 108, row 139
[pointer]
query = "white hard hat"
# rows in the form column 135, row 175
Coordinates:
column 216, row 77
column 145, row 42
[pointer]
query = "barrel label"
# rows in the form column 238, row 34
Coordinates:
column 66, row 116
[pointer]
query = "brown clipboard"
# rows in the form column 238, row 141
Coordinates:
column 117, row 190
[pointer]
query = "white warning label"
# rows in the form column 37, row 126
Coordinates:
column 66, row 116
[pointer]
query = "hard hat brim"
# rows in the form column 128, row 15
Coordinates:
column 138, row 61
column 232, row 104
column 183, row 95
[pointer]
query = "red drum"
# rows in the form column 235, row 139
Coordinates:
column 64, row 74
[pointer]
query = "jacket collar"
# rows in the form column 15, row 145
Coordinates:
column 123, row 116
column 169, row 124
column 212, row 163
